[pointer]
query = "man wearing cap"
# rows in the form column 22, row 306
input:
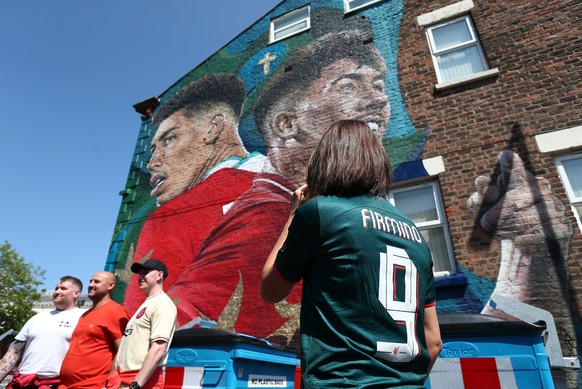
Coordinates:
column 144, row 345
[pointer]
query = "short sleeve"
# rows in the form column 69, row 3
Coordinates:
column 300, row 249
column 430, row 299
column 23, row 334
column 118, row 321
column 163, row 321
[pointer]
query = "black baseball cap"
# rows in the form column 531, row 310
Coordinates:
column 152, row 264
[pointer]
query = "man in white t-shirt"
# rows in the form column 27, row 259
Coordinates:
column 39, row 348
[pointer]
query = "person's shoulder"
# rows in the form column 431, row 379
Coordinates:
column 165, row 299
column 312, row 203
column 333, row 204
column 330, row 208
column 113, row 303
column 309, row 209
column 76, row 312
column 166, row 302
column 116, row 307
column 38, row 316
column 72, row 313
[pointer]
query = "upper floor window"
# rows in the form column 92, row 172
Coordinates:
column 570, row 170
column 290, row 24
column 424, row 206
column 351, row 5
column 456, row 49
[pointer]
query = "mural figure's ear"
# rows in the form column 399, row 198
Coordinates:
column 284, row 125
column 215, row 127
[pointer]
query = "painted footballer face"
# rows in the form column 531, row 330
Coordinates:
column 346, row 89
column 176, row 164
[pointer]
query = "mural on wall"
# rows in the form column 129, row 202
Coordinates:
column 520, row 211
column 529, row 221
column 215, row 165
column 198, row 166
column 227, row 148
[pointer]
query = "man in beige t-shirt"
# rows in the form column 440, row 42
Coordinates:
column 144, row 346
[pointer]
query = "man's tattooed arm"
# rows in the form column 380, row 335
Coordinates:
column 11, row 358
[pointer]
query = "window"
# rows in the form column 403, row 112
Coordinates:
column 423, row 205
column 456, row 49
column 570, row 170
column 290, row 24
column 351, row 5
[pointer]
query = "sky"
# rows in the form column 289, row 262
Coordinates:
column 70, row 73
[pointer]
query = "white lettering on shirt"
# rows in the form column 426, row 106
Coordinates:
column 377, row 221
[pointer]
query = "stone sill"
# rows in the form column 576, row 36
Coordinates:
column 466, row 80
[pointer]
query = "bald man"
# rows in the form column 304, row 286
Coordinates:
column 96, row 338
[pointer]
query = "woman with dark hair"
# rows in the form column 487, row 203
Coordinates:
column 368, row 316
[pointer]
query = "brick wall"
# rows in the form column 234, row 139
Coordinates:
column 536, row 47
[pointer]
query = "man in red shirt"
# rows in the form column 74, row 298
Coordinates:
column 96, row 338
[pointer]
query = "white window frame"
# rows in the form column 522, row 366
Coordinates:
column 288, row 16
column 574, row 200
column 473, row 42
column 440, row 222
column 348, row 4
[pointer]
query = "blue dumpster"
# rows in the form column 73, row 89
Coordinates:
column 481, row 351
column 212, row 358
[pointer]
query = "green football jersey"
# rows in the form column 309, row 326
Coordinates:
column 367, row 276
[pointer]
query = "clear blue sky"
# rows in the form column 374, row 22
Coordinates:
column 70, row 72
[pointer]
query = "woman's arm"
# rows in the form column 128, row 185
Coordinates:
column 273, row 287
column 433, row 334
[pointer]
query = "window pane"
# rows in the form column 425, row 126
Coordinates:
column 359, row 3
column 573, row 168
column 460, row 63
column 418, row 204
column 451, row 35
column 291, row 19
column 435, row 238
column 290, row 30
